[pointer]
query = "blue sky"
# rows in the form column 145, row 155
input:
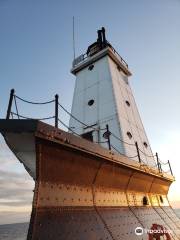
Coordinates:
column 36, row 56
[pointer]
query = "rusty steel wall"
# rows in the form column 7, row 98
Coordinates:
column 79, row 196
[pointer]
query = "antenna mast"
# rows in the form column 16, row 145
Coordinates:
column 74, row 51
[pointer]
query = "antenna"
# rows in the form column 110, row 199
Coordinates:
column 74, row 50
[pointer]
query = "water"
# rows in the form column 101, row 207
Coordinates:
column 17, row 231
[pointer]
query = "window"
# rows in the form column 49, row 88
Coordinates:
column 90, row 68
column 91, row 102
column 145, row 144
column 129, row 135
column 118, row 67
column 128, row 103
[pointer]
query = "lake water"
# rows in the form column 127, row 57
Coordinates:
column 17, row 231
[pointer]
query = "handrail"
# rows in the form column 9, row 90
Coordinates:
column 84, row 56
column 107, row 134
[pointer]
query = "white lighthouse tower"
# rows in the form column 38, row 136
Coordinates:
column 103, row 97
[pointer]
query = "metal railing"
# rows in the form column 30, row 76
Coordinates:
column 107, row 134
column 118, row 55
column 158, row 163
column 14, row 98
column 84, row 56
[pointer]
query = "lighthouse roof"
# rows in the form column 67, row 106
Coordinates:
column 100, row 48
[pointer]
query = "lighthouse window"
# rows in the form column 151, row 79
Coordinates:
column 145, row 144
column 90, row 68
column 128, row 103
column 118, row 67
column 145, row 200
column 129, row 135
column 91, row 102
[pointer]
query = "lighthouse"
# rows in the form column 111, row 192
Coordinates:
column 103, row 102
column 101, row 184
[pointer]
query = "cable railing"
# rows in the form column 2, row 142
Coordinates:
column 76, row 119
column 35, row 103
column 158, row 164
column 121, row 153
column 14, row 97
column 28, row 118
column 107, row 134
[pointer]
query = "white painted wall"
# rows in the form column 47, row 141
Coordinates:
column 128, row 116
column 110, row 90
column 23, row 146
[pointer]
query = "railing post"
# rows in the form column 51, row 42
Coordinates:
column 158, row 163
column 108, row 136
column 56, row 110
column 170, row 168
column 138, row 153
column 10, row 103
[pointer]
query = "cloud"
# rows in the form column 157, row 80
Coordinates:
column 7, row 217
column 15, row 191
column 16, row 187
column 167, row 146
column 7, row 158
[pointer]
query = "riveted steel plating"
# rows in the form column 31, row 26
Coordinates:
column 83, row 191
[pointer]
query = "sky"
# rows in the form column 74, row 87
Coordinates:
column 36, row 54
